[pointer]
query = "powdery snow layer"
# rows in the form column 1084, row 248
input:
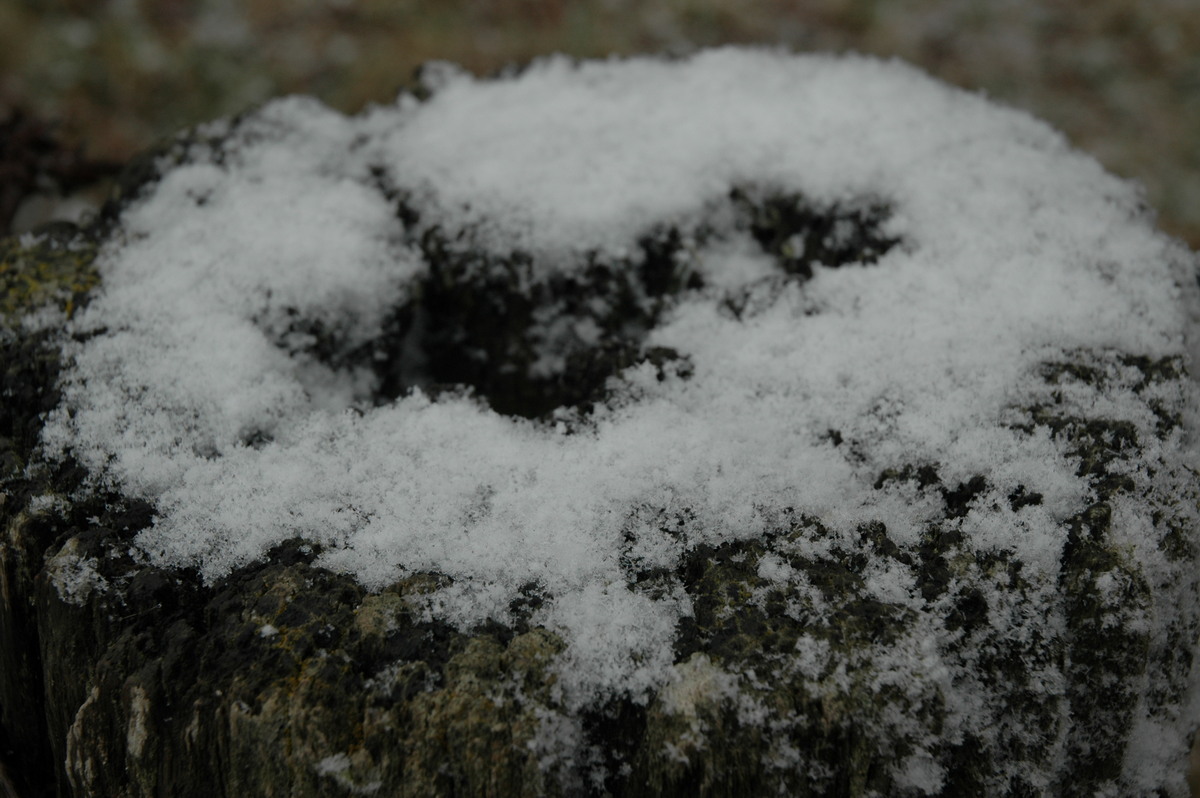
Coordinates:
column 221, row 372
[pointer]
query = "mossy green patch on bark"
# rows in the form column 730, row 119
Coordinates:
column 1109, row 652
column 287, row 680
column 50, row 270
column 1108, row 648
column 776, row 683
column 53, row 267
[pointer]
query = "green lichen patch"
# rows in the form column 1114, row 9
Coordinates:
column 346, row 692
column 54, row 267
column 1149, row 390
column 488, row 714
column 29, row 368
column 1097, row 442
column 1108, row 654
column 750, row 703
column 1108, row 648
column 753, row 600
column 1155, row 381
column 1100, row 370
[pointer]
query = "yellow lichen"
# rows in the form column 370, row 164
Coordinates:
column 36, row 271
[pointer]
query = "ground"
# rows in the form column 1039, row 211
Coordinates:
column 1122, row 79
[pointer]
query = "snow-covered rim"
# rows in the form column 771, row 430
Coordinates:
column 1016, row 249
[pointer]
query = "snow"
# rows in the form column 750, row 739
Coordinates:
column 75, row 577
column 340, row 767
column 194, row 386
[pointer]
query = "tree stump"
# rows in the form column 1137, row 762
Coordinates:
column 746, row 424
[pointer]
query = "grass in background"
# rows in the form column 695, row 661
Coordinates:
column 1120, row 77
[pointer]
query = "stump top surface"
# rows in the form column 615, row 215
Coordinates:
column 826, row 274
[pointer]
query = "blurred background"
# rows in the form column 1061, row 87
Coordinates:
column 85, row 84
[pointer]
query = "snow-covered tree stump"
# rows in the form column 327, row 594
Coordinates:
column 742, row 425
